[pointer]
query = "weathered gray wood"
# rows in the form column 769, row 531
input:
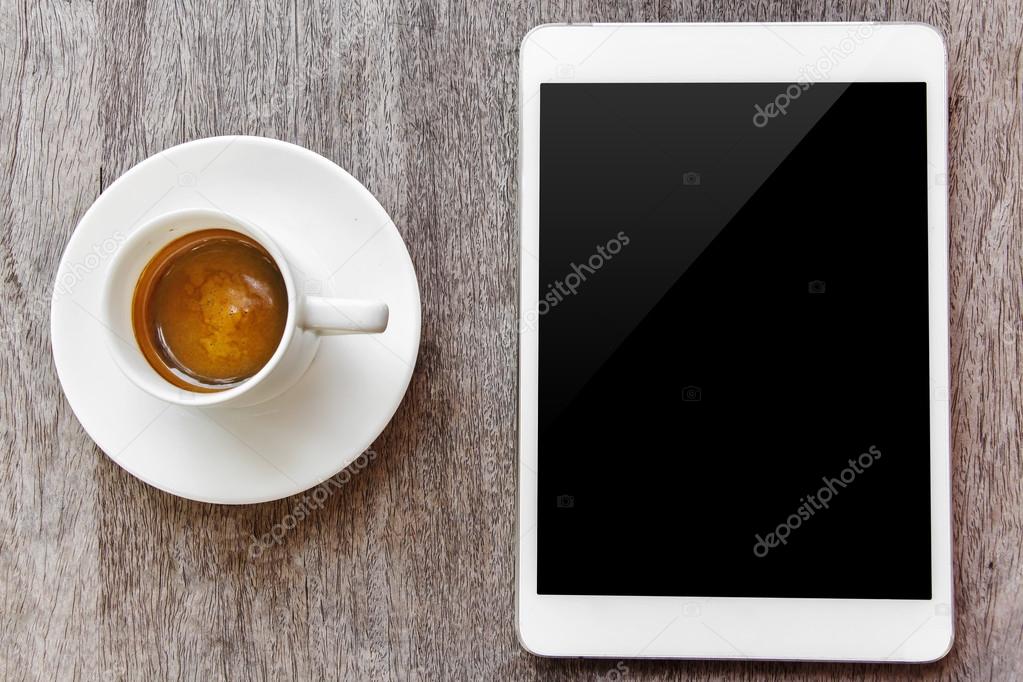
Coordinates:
column 407, row 571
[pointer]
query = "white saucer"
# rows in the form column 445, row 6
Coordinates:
column 344, row 244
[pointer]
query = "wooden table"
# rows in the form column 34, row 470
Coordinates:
column 408, row 571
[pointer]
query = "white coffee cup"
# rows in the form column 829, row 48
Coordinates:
column 309, row 317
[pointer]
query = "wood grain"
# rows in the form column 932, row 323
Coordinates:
column 407, row 571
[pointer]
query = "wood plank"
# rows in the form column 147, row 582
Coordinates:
column 49, row 155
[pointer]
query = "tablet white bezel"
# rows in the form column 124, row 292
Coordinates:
column 748, row 628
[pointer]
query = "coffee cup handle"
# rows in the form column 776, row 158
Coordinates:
column 333, row 316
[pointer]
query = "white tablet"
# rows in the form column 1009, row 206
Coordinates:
column 734, row 369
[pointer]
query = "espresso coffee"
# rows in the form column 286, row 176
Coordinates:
column 209, row 310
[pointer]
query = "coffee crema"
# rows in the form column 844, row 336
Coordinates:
column 209, row 310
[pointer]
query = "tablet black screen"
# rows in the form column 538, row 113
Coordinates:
column 733, row 320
